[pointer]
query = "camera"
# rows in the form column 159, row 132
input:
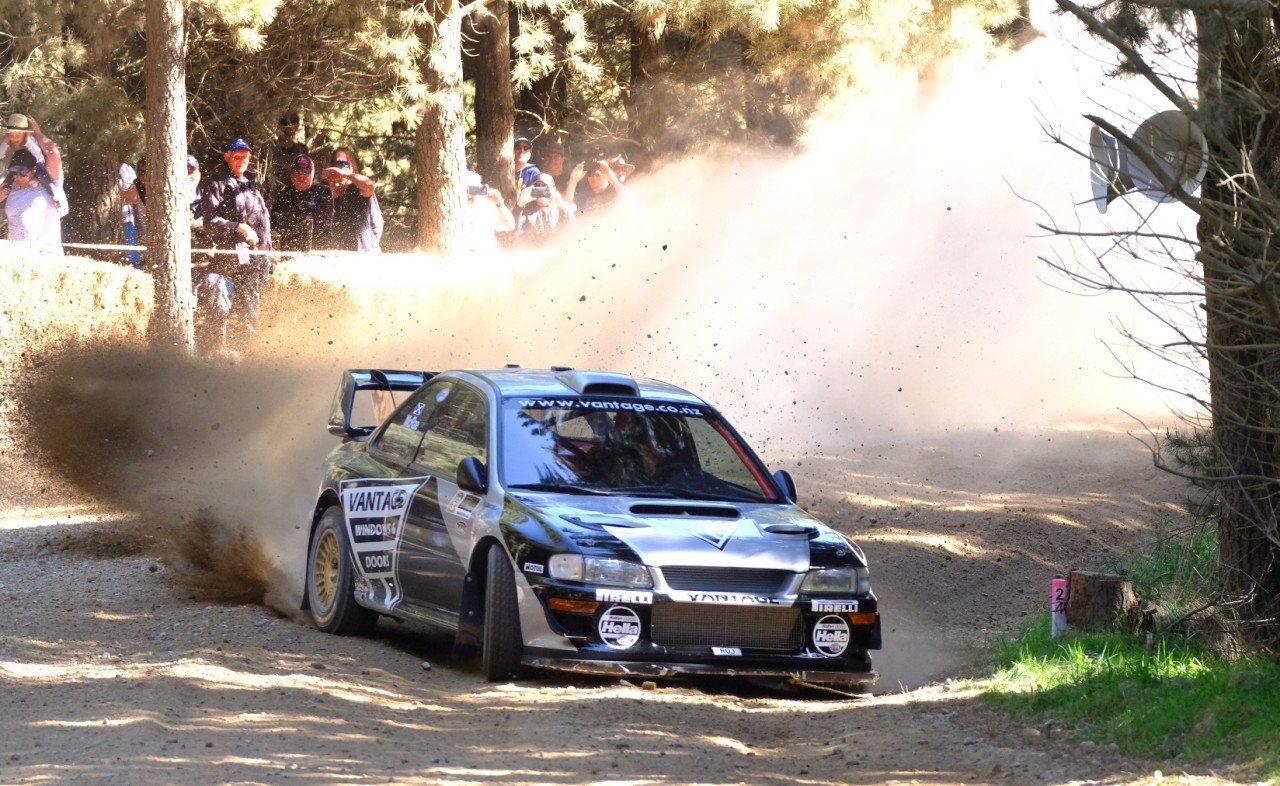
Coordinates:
column 540, row 192
column 477, row 190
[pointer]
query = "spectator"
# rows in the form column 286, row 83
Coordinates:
column 525, row 172
column 23, row 132
column 603, row 186
column 357, row 219
column 544, row 214
column 302, row 210
column 195, row 192
column 236, row 219
column 34, row 201
column 484, row 215
column 18, row 133
column 277, row 155
column 551, row 158
column 133, row 208
column 193, row 184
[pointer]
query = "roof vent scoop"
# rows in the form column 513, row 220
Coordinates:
column 599, row 383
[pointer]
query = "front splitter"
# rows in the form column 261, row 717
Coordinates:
column 855, row 681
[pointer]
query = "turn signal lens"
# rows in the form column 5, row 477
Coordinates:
column 574, row 606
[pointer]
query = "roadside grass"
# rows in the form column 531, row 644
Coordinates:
column 1176, row 701
column 1174, row 696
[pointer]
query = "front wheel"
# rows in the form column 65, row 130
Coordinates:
column 330, row 582
column 503, row 642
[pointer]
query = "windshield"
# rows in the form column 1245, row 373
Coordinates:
column 602, row 446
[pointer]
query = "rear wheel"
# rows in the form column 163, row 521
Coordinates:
column 331, row 583
column 503, row 642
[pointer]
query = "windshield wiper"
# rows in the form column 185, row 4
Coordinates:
column 709, row 496
column 558, row 488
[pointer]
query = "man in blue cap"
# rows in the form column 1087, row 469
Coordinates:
column 236, row 221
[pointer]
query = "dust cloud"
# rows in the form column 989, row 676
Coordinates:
column 880, row 285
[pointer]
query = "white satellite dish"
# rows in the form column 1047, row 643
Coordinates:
column 1107, row 168
column 1176, row 145
column 1180, row 152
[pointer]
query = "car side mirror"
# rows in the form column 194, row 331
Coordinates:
column 471, row 475
column 788, row 486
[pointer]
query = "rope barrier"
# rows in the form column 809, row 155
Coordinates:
column 204, row 251
column 194, row 251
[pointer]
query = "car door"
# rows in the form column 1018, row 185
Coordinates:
column 378, row 492
column 437, row 527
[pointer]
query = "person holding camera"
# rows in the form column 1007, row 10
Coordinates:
column 20, row 132
column 543, row 215
column 32, row 193
column 525, row 171
column 484, row 215
column 357, row 218
column 603, row 186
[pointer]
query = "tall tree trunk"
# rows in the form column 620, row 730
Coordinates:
column 547, row 98
column 1243, row 334
column 95, row 212
column 646, row 118
column 495, row 106
column 440, row 148
column 169, row 213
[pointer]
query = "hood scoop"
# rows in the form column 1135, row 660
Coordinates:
column 802, row 530
column 687, row 510
column 599, row 523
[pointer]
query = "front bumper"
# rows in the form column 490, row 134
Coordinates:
column 856, row 681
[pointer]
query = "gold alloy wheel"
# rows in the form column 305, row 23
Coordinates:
column 324, row 571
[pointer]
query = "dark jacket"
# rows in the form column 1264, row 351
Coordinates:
column 227, row 202
column 301, row 220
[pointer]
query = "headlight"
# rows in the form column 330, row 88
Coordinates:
column 598, row 570
column 854, row 580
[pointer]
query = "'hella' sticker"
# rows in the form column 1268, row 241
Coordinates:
column 533, row 567
column 831, row 636
column 619, row 627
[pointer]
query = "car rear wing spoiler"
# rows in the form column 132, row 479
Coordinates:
column 382, row 385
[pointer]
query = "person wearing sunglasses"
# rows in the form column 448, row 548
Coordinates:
column 34, row 202
column 357, row 219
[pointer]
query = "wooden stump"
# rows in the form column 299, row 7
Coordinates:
column 1099, row 601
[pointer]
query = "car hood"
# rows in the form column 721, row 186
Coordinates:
column 711, row 534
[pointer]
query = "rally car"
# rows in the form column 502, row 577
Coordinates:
column 579, row 520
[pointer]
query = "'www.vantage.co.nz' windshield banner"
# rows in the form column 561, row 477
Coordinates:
column 375, row 510
column 608, row 405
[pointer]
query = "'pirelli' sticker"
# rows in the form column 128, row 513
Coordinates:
column 634, row 597
column 835, row 606
column 375, row 509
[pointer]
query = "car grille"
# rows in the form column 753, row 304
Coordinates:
column 777, row 628
column 697, row 578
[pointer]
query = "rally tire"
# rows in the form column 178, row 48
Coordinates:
column 503, row 643
column 330, row 580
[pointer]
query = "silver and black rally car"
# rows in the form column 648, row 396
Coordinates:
column 583, row 521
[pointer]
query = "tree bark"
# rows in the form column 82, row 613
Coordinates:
column 95, row 213
column 440, row 148
column 1098, row 601
column 495, row 105
column 646, row 117
column 168, row 212
column 1243, row 337
column 546, row 100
